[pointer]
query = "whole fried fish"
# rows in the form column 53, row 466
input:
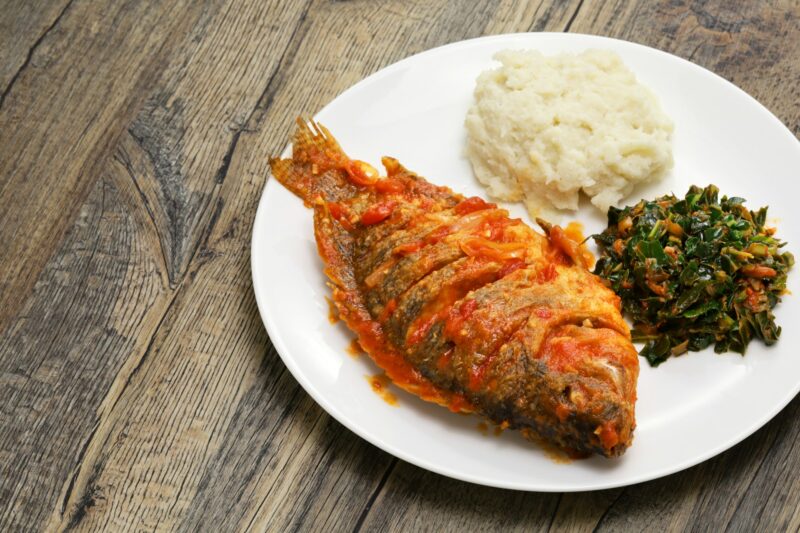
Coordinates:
column 464, row 306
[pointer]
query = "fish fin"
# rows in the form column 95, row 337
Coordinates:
column 335, row 247
column 317, row 169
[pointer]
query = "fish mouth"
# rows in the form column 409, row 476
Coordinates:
column 598, row 370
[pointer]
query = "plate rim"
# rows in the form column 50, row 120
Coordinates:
column 280, row 347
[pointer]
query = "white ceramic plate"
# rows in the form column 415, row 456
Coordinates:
column 689, row 409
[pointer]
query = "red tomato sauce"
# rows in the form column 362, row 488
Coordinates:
column 380, row 385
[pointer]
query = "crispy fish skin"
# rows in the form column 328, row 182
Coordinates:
column 464, row 306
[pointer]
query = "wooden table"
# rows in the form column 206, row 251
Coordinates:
column 138, row 388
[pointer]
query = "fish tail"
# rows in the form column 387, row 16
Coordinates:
column 318, row 168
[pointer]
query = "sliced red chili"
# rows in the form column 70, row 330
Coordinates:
column 361, row 173
column 389, row 185
column 471, row 204
column 377, row 213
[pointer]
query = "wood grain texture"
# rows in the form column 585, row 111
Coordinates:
column 139, row 389
column 90, row 305
column 80, row 286
column 23, row 25
column 61, row 117
column 174, row 368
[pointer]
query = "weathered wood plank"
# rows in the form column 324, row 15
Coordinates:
column 132, row 164
column 150, row 452
column 23, row 25
column 137, row 163
column 96, row 301
column 62, row 116
column 582, row 511
column 416, row 500
column 102, row 295
column 191, row 123
column 184, row 139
